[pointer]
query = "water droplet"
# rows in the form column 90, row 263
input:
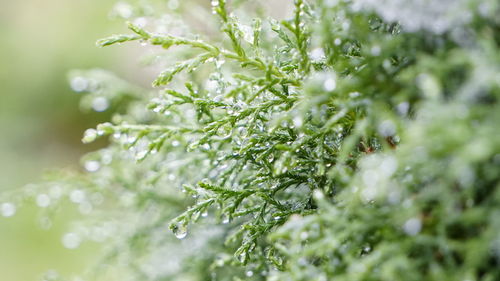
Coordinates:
column 89, row 136
column 376, row 50
column 77, row 196
column 131, row 139
column 317, row 54
column 318, row 195
column 8, row 209
column 219, row 63
column 298, row 121
column 79, row 84
column 215, row 3
column 337, row 41
column 330, row 84
column 270, row 158
column 204, row 214
column 394, row 197
column 100, row 104
column 141, row 155
column 71, row 240
column 224, row 131
column 242, row 258
column 249, row 273
column 193, row 146
column 429, row 85
column 354, row 94
column 388, row 166
column 175, row 143
column 92, row 166
column 43, row 200
column 412, row 226
column 225, row 219
column 157, row 109
column 346, row 25
column 304, row 235
column 180, row 231
column 403, row 108
column 387, row 128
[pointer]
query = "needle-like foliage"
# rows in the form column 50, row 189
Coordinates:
column 347, row 142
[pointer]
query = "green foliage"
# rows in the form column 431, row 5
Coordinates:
column 336, row 145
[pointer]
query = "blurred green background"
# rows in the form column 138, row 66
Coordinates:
column 40, row 121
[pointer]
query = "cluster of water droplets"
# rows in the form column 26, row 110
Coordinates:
column 215, row 84
column 323, row 81
column 97, row 100
column 414, row 15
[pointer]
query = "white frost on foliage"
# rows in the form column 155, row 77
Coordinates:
column 431, row 15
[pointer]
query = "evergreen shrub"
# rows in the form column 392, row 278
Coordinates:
column 353, row 140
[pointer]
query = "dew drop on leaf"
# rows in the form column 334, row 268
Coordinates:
column 141, row 155
column 317, row 54
column 8, row 209
column 175, row 143
column 330, row 84
column 180, row 231
column 92, row 166
column 219, row 63
column 224, row 131
column 375, row 50
column 225, row 219
column 89, row 136
column 100, row 104
column 79, row 84
column 412, row 226
column 242, row 258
